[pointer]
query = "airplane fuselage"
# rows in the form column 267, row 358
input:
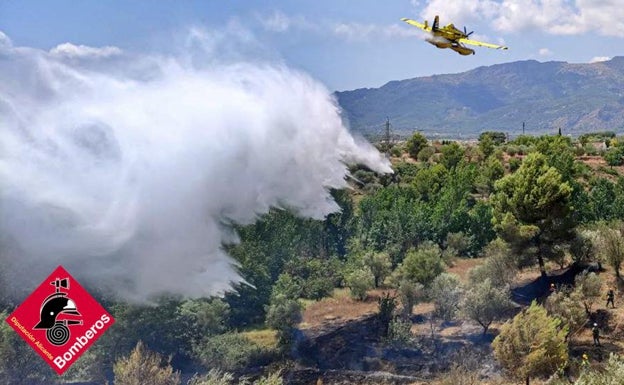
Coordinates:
column 442, row 42
column 448, row 37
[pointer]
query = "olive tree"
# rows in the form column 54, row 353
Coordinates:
column 485, row 303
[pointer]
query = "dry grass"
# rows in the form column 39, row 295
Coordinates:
column 339, row 307
column 463, row 265
column 266, row 338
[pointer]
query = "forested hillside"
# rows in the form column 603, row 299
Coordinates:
column 501, row 251
column 545, row 96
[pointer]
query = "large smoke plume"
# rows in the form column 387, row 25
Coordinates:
column 130, row 169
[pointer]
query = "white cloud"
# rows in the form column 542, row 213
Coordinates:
column 459, row 12
column 358, row 31
column 545, row 52
column 72, row 51
column 558, row 17
column 598, row 59
column 5, row 42
column 280, row 22
column 277, row 22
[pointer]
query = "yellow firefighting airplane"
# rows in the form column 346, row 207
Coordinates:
column 450, row 37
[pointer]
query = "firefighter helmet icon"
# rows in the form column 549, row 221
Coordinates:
column 55, row 305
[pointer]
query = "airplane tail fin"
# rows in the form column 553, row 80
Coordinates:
column 436, row 23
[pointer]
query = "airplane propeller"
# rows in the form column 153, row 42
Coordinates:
column 467, row 33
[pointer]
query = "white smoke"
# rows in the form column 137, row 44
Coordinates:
column 129, row 170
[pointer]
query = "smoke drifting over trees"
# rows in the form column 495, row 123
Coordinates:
column 130, row 170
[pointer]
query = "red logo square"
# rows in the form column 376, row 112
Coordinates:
column 60, row 320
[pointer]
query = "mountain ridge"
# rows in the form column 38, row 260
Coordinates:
column 576, row 97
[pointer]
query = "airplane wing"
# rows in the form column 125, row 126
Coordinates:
column 481, row 44
column 417, row 24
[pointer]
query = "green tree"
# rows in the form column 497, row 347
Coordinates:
column 90, row 368
column 317, row 276
column 203, row 317
column 459, row 242
column 279, row 238
column 582, row 246
column 422, row 265
column 588, row 286
column 559, row 153
column 446, row 294
column 386, row 307
column 610, row 244
column 359, row 281
column 485, row 303
column 531, row 209
column 532, row 344
column 452, row 155
column 567, row 306
column 451, row 208
column 380, row 266
column 426, row 153
column 514, row 164
column 165, row 328
column 499, row 267
column 491, row 171
column 614, row 156
column 486, row 145
column 428, row 181
column 602, row 199
column 479, row 227
column 409, row 294
column 287, row 286
column 393, row 219
column 229, row 351
column 283, row 315
column 416, row 143
column 143, row 367
column 497, row 137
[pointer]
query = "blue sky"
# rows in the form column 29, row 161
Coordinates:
column 346, row 44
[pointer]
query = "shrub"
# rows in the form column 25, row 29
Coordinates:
column 213, row 377
column 416, row 143
column 399, row 331
column 283, row 315
column 359, row 281
column 386, row 307
column 288, row 286
column 379, row 265
column 396, row 151
column 590, row 149
column 421, row 265
column 514, row 164
column 144, row 367
column 532, row 344
column 426, row 153
column 611, row 374
column 458, row 241
column 230, row 352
